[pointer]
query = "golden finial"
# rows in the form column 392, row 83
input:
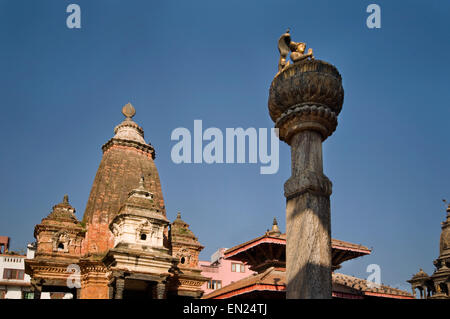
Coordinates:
column 128, row 110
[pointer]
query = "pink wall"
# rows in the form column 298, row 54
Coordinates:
column 220, row 269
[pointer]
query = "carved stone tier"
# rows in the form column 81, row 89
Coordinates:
column 142, row 147
column 94, row 279
column 306, row 96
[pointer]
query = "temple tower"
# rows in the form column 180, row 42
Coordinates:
column 441, row 277
column 59, row 239
column 186, row 248
column 436, row 286
column 304, row 101
column 126, row 157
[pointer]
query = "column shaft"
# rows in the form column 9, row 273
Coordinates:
column 120, row 285
column 308, row 229
column 160, row 290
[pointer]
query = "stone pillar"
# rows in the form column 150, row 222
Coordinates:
column 37, row 288
column 37, row 293
column 161, row 290
column 308, row 229
column 304, row 101
column 120, row 285
column 111, row 291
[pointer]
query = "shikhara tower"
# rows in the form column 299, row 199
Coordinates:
column 126, row 158
column 122, row 247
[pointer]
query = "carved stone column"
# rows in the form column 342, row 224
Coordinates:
column 111, row 291
column 161, row 290
column 37, row 288
column 308, row 228
column 120, row 285
column 305, row 99
column 37, row 293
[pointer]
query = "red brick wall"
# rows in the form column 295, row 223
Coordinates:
column 119, row 172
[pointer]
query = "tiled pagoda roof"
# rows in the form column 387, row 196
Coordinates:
column 341, row 250
column 274, row 280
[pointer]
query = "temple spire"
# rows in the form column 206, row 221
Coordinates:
column 275, row 231
column 129, row 131
column 129, row 111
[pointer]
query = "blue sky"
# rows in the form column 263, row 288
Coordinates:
column 176, row 61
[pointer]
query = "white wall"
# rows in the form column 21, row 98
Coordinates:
column 13, row 290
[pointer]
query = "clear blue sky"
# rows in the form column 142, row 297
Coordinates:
column 62, row 91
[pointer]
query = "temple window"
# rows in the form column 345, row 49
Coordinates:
column 143, row 236
column 183, row 260
column 60, row 246
column 235, row 267
column 214, row 284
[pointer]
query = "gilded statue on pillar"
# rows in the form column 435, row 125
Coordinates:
column 297, row 49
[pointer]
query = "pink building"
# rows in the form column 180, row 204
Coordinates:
column 222, row 271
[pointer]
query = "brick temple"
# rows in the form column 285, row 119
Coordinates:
column 124, row 247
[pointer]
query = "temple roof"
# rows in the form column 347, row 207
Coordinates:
column 181, row 234
column 63, row 211
column 249, row 251
column 62, row 217
column 335, row 243
column 420, row 275
column 275, row 231
column 140, row 202
column 369, row 288
column 126, row 158
column 274, row 280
